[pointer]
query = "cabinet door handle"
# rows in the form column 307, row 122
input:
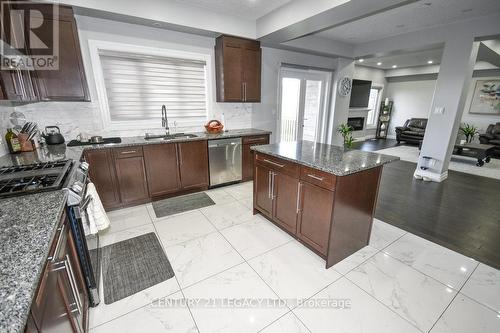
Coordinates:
column 272, row 185
column 299, row 191
column 128, row 152
column 269, row 180
column 58, row 244
column 180, row 155
column 316, row 177
column 274, row 163
column 245, row 91
column 72, row 282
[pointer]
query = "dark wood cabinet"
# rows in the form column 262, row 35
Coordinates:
column 331, row 215
column 67, row 81
column 247, row 154
column 238, row 69
column 131, row 175
column 262, row 190
column 284, row 193
column 162, row 169
column 102, row 174
column 193, row 164
column 61, row 301
column 315, row 208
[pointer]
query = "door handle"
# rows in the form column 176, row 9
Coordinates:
column 316, row 177
column 58, row 244
column 72, row 281
column 269, row 180
column 299, row 191
column 274, row 163
column 272, row 185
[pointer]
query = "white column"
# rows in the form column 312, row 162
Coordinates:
column 454, row 78
column 339, row 111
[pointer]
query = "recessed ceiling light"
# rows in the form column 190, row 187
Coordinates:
column 394, row 66
column 361, row 60
column 379, row 63
column 430, row 62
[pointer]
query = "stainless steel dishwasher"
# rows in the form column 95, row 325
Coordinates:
column 225, row 161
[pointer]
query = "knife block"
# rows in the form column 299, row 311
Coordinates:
column 26, row 145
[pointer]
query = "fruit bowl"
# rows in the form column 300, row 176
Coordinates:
column 214, row 127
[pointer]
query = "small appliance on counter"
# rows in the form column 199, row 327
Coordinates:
column 52, row 135
column 214, row 127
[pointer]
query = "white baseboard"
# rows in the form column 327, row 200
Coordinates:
column 427, row 175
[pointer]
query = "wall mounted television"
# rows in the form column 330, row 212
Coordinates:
column 360, row 93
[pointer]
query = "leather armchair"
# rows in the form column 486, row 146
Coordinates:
column 492, row 136
column 412, row 131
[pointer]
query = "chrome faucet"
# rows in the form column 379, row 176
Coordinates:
column 164, row 119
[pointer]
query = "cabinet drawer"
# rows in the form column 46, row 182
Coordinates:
column 258, row 140
column 278, row 164
column 319, row 178
column 127, row 152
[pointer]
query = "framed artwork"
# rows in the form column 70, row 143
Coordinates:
column 486, row 97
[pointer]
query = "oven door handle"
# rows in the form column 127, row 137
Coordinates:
column 85, row 203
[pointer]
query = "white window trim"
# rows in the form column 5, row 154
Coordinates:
column 97, row 45
column 377, row 106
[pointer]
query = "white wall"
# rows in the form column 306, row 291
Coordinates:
column 264, row 114
column 412, row 99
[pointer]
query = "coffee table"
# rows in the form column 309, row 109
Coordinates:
column 478, row 150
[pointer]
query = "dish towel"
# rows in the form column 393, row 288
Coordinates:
column 97, row 218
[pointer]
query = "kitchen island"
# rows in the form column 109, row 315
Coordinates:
column 323, row 195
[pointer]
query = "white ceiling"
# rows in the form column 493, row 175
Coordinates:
column 250, row 9
column 407, row 59
column 412, row 17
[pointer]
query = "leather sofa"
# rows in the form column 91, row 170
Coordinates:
column 412, row 131
column 492, row 136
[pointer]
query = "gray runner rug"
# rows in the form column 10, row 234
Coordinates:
column 133, row 265
column 181, row 204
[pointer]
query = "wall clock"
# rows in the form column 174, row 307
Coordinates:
column 345, row 86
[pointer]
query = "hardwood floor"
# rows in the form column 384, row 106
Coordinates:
column 461, row 213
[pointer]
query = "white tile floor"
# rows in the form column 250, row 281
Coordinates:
column 399, row 283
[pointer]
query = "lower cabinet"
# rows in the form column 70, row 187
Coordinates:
column 131, row 176
column 285, row 198
column 315, row 206
column 262, row 190
column 61, row 302
column 162, row 169
column 102, row 173
column 247, row 154
column 193, row 164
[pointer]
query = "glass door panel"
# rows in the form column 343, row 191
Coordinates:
column 290, row 108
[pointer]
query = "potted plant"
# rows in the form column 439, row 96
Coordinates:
column 346, row 132
column 469, row 131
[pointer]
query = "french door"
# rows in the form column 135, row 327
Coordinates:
column 303, row 100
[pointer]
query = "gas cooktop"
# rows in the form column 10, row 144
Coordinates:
column 32, row 178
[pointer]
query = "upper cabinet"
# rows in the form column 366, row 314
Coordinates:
column 238, row 67
column 31, row 83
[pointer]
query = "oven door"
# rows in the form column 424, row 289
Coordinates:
column 88, row 250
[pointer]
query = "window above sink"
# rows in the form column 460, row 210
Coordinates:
column 133, row 82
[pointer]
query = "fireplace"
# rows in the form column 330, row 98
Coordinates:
column 357, row 123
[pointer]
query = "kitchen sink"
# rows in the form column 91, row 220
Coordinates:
column 175, row 136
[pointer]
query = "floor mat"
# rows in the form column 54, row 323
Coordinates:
column 133, row 265
column 181, row 204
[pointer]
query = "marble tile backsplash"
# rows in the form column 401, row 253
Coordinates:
column 77, row 117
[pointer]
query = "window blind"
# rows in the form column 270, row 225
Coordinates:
column 138, row 85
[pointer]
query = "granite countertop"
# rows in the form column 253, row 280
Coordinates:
column 27, row 227
column 62, row 152
column 328, row 158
